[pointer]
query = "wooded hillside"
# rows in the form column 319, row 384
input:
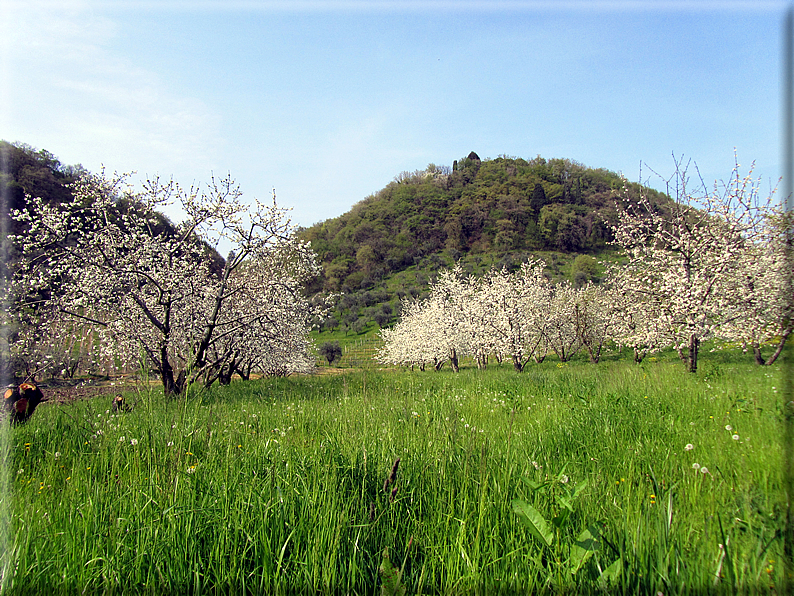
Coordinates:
column 486, row 212
column 482, row 212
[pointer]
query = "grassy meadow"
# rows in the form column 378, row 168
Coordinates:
column 566, row 478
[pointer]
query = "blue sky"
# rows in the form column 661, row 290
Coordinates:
column 327, row 101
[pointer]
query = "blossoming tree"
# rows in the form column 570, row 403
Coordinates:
column 683, row 260
column 596, row 316
column 432, row 330
column 513, row 306
column 108, row 259
column 763, row 313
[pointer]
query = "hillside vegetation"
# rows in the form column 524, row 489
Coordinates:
column 492, row 212
column 482, row 213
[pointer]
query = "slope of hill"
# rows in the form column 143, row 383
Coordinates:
column 388, row 247
column 493, row 212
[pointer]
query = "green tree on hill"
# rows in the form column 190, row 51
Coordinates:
column 538, row 200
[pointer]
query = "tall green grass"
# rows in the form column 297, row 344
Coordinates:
column 278, row 485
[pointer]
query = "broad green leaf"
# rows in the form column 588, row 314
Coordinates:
column 586, row 544
column 535, row 486
column 392, row 584
column 579, row 488
column 537, row 525
column 559, row 521
column 565, row 502
column 611, row 574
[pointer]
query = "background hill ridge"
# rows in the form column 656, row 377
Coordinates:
column 388, row 247
column 480, row 212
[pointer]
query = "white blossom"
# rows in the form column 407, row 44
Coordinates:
column 680, row 284
column 133, row 283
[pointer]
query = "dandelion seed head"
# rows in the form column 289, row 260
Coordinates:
column 689, row 447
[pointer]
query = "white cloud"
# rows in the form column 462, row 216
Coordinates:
column 67, row 91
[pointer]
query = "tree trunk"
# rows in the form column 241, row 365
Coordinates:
column 172, row 387
column 781, row 344
column 227, row 370
column 692, row 354
column 453, row 359
column 209, row 329
column 244, row 370
column 225, row 375
column 759, row 359
column 638, row 355
column 595, row 353
column 518, row 366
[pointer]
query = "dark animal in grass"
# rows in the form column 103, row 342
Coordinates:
column 21, row 401
column 119, row 405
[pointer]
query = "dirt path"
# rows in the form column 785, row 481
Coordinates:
column 67, row 392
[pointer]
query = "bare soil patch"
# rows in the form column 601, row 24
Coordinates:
column 57, row 391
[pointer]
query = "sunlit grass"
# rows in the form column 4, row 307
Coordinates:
column 277, row 485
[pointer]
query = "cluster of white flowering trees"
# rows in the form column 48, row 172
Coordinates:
column 45, row 342
column 710, row 265
column 715, row 265
column 518, row 316
column 151, row 290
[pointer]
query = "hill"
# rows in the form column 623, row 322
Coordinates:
column 491, row 212
column 479, row 212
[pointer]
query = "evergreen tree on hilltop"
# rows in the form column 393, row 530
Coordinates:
column 538, row 200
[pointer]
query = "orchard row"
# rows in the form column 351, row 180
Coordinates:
column 711, row 265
